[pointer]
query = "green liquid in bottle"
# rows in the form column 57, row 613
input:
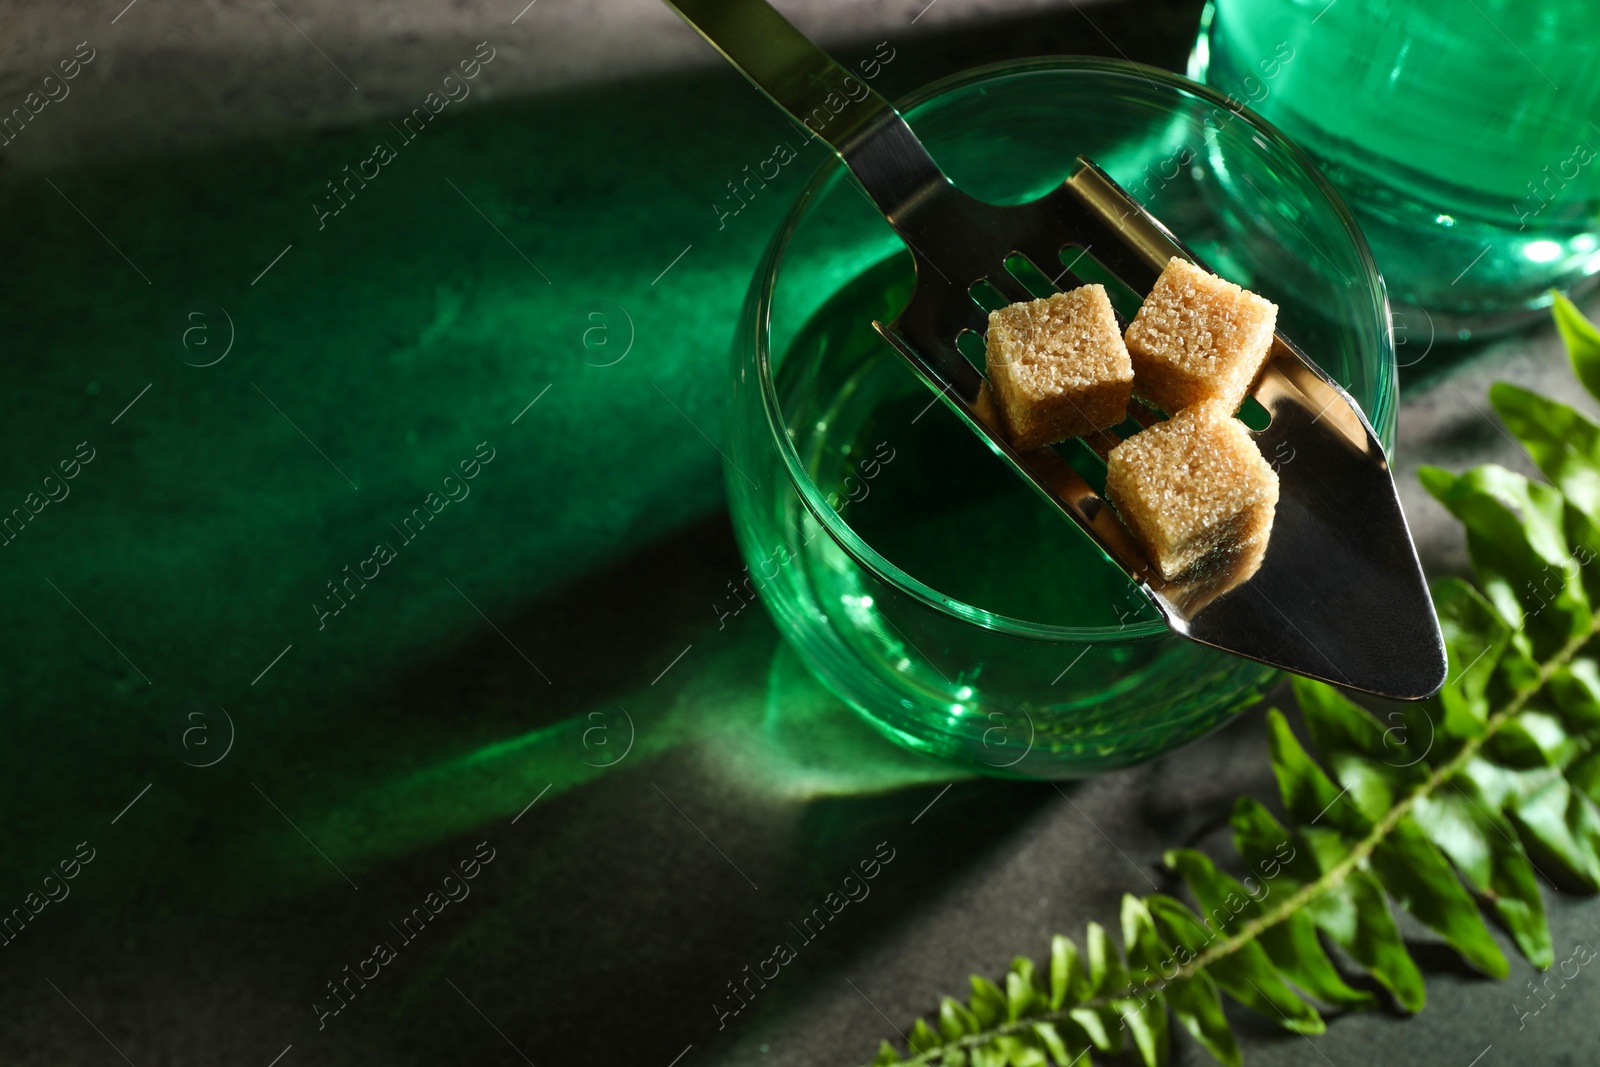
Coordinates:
column 1461, row 132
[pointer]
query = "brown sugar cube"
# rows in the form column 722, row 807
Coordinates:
column 1058, row 367
column 1198, row 337
column 1192, row 485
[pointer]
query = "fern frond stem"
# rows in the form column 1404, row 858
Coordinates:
column 1330, row 879
column 1363, row 849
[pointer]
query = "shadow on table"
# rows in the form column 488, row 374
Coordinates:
column 747, row 813
column 692, row 791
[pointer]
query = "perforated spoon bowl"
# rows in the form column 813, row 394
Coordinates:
column 1338, row 593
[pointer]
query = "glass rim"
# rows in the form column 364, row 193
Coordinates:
column 811, row 497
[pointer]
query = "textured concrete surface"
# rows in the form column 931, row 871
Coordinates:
column 170, row 76
column 369, row 760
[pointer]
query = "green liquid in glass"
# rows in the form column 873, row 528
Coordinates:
column 917, row 485
column 925, row 491
column 1462, row 134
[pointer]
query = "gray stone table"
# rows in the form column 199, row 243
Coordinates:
column 448, row 714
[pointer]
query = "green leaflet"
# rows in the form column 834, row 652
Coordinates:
column 1146, row 1022
column 1476, row 638
column 1483, row 846
column 1100, row 1027
column 1265, row 845
column 1582, row 340
column 1452, row 808
column 1293, row 944
column 988, row 1003
column 1575, row 690
column 1517, row 539
column 1372, row 769
column 1536, row 739
column 1248, row 975
column 955, row 1020
column 1105, row 965
column 1068, row 983
column 1106, row 978
column 1584, row 774
column 1020, row 990
column 1563, row 442
column 922, row 1038
column 1307, row 791
column 1296, row 950
column 1145, row 1014
column 1355, row 915
column 1197, row 1006
column 1561, row 829
column 1064, row 1050
column 1418, row 876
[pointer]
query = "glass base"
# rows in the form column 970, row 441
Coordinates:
column 1462, row 278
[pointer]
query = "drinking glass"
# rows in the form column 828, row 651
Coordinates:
column 1461, row 133
column 919, row 578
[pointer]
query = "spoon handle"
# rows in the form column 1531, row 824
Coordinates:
column 824, row 98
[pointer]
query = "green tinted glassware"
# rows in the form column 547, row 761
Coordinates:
column 914, row 574
column 1462, row 133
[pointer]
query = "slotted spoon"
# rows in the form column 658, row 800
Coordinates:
column 1338, row 594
